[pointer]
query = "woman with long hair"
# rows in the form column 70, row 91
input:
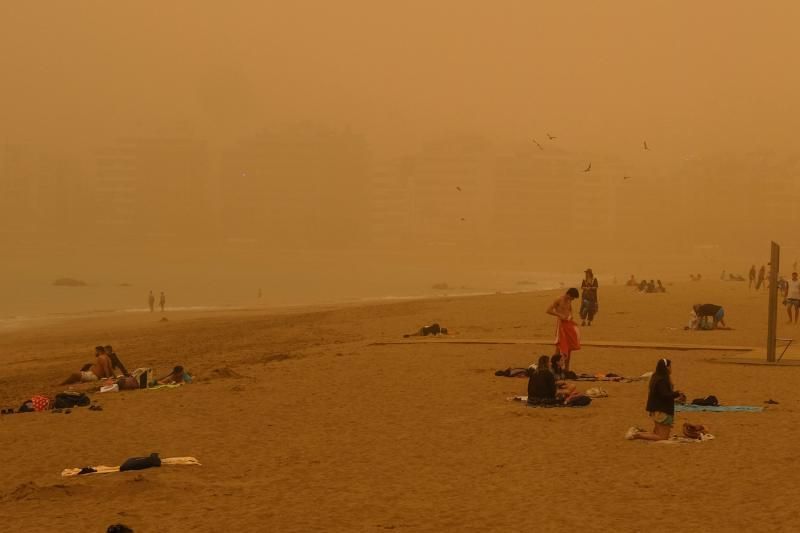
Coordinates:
column 542, row 383
column 660, row 404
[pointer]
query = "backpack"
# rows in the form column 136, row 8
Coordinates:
column 708, row 400
column 140, row 463
column 580, row 401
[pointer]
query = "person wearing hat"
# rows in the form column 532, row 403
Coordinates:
column 589, row 305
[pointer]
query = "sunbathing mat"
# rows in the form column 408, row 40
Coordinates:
column 73, row 472
column 718, row 408
column 677, row 439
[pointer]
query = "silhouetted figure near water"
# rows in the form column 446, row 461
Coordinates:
column 162, row 301
column 151, row 301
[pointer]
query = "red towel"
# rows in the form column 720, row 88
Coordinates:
column 568, row 337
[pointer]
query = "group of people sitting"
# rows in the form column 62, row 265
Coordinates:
column 547, row 384
column 108, row 368
column 651, row 286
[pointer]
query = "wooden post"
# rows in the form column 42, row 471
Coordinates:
column 772, row 315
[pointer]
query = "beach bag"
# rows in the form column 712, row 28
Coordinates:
column 693, row 431
column 579, row 401
column 708, row 400
column 140, row 463
column 67, row 400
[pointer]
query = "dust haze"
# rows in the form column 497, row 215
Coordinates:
column 344, row 149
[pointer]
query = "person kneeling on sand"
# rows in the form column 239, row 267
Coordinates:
column 660, row 404
column 101, row 368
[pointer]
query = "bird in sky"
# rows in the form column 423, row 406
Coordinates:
column 587, row 169
column 551, row 137
column 627, row 177
column 462, row 219
column 458, row 188
column 537, row 144
column 644, row 143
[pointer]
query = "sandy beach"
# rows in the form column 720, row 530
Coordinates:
column 301, row 423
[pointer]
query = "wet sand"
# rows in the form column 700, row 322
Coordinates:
column 302, row 423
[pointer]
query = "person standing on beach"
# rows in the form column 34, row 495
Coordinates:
column 589, row 305
column 162, row 301
column 151, row 301
column 792, row 295
column 752, row 277
column 660, row 404
column 567, row 333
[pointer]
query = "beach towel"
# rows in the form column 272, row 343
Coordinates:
column 548, row 403
column 89, row 470
column 718, row 408
column 568, row 337
column 164, row 386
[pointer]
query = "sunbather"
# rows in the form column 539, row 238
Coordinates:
column 176, row 376
column 101, row 368
column 563, row 388
column 660, row 404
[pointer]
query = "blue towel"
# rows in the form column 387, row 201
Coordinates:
column 719, row 408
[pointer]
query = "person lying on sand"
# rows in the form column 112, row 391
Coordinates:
column 100, row 369
column 660, row 404
column 176, row 376
column 424, row 331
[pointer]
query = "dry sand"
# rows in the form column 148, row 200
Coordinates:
column 301, row 424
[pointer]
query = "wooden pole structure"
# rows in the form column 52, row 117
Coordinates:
column 772, row 315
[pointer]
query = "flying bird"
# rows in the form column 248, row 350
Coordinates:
column 626, row 177
column 645, row 145
column 537, row 144
column 587, row 169
column 458, row 188
column 551, row 137
column 462, row 219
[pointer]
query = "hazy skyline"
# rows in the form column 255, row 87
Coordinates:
column 413, row 86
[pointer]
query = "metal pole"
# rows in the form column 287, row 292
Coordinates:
column 772, row 315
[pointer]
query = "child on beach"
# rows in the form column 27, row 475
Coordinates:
column 660, row 404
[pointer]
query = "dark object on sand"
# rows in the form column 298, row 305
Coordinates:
column 164, row 319
column 65, row 400
column 708, row 400
column 140, row 463
column 119, row 528
column 424, row 331
column 771, row 401
column 69, row 282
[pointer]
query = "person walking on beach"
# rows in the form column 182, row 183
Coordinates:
column 589, row 305
column 162, row 301
column 762, row 272
column 660, row 404
column 151, row 301
column 567, row 333
column 752, row 277
column 792, row 295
